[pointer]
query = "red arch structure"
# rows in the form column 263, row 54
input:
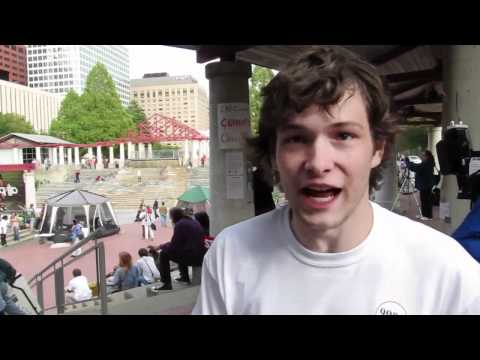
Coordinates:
column 158, row 128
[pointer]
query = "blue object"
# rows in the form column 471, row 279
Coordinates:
column 468, row 233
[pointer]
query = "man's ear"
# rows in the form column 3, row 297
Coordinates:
column 378, row 152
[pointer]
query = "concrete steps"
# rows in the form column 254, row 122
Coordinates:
column 143, row 301
column 25, row 235
column 124, row 190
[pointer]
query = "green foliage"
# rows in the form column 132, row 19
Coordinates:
column 97, row 115
column 14, row 123
column 260, row 78
column 412, row 140
column 136, row 112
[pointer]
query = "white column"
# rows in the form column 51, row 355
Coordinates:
column 54, row 156
column 30, row 192
column 38, row 156
column 129, row 150
column 99, row 158
column 61, row 156
column 186, row 153
column 149, row 151
column 90, row 152
column 110, row 159
column 141, row 151
column 69, row 156
column 76, row 152
column 16, row 156
column 122, row 156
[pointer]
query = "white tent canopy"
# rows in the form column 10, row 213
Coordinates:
column 90, row 209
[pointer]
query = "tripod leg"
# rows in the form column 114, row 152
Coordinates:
column 397, row 198
column 418, row 205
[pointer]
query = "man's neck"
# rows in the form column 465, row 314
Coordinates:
column 347, row 236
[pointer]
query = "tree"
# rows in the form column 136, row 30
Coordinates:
column 412, row 140
column 68, row 122
column 260, row 78
column 14, row 123
column 136, row 112
column 97, row 115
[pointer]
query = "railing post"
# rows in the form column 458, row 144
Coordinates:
column 102, row 286
column 40, row 295
column 59, row 291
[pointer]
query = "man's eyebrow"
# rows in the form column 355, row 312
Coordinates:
column 291, row 127
column 347, row 124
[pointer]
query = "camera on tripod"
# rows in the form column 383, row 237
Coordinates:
column 456, row 157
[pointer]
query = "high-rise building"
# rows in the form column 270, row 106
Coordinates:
column 179, row 97
column 38, row 107
column 13, row 63
column 59, row 68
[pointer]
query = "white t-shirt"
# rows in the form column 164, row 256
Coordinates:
column 79, row 286
column 402, row 267
column 146, row 266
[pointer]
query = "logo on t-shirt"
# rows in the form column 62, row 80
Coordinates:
column 391, row 308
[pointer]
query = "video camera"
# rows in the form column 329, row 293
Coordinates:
column 456, row 157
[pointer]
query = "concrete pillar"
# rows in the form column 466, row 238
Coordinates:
column 461, row 78
column 386, row 195
column 122, row 156
column 54, row 156
column 230, row 197
column 149, row 151
column 69, row 156
column 434, row 136
column 99, row 158
column 141, row 151
column 61, row 155
column 129, row 150
column 30, row 192
column 110, row 158
column 76, row 151
column 38, row 156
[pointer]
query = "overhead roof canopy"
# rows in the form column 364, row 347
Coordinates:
column 76, row 198
column 412, row 72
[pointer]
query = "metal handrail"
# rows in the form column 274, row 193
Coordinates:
column 56, row 269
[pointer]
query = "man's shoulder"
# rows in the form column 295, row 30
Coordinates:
column 416, row 238
column 249, row 231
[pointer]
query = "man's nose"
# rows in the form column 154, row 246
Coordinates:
column 320, row 157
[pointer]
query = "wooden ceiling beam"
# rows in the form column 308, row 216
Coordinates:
column 392, row 54
column 207, row 53
column 434, row 74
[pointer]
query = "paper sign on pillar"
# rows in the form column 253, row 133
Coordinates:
column 233, row 128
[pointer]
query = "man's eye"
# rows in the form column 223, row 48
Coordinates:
column 345, row 136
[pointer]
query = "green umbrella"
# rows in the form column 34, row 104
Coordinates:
column 196, row 194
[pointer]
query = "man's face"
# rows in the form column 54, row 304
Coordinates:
column 324, row 161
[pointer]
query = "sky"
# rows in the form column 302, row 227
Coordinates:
column 157, row 58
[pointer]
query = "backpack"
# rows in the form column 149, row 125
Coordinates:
column 7, row 272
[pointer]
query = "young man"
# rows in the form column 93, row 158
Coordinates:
column 325, row 131
column 78, row 289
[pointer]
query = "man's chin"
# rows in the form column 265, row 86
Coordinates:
column 320, row 222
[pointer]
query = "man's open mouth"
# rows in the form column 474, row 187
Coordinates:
column 321, row 194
